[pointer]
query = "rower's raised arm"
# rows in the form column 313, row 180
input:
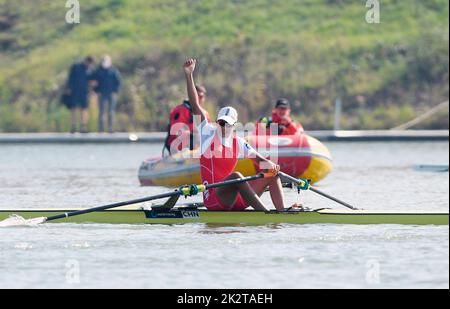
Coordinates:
column 189, row 68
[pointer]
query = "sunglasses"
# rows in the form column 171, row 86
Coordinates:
column 224, row 124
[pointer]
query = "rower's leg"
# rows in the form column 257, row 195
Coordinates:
column 228, row 195
column 276, row 193
column 275, row 188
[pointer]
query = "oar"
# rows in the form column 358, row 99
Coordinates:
column 304, row 183
column 183, row 191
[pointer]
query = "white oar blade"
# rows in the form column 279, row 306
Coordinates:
column 19, row 221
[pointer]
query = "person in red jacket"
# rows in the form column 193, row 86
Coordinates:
column 181, row 125
column 281, row 115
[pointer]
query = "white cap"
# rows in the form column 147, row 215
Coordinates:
column 228, row 114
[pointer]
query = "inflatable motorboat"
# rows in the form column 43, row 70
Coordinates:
column 299, row 155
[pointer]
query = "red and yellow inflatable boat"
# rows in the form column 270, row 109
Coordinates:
column 299, row 155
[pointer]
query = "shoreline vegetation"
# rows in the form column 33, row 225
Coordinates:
column 311, row 52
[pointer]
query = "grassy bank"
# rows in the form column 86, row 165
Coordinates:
column 250, row 53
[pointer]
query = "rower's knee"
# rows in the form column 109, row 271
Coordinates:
column 272, row 182
column 236, row 175
column 275, row 179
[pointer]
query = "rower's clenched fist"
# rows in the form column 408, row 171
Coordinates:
column 189, row 66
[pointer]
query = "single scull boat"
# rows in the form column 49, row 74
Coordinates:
column 124, row 213
column 194, row 214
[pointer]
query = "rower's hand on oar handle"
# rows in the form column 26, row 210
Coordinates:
column 269, row 174
column 272, row 169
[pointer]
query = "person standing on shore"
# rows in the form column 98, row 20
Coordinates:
column 108, row 83
column 78, row 89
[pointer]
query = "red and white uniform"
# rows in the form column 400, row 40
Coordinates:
column 219, row 157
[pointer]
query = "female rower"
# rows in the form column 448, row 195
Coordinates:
column 220, row 151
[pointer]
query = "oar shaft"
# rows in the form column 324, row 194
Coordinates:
column 177, row 192
column 289, row 177
column 235, row 181
column 115, row 205
column 298, row 181
column 332, row 198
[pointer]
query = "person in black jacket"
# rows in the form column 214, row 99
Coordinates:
column 78, row 89
column 108, row 83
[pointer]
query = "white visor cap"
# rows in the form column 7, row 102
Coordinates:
column 228, row 114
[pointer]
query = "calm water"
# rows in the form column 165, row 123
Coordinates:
column 370, row 175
